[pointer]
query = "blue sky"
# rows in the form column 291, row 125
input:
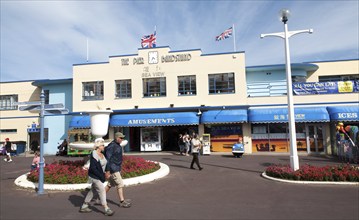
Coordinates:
column 43, row 39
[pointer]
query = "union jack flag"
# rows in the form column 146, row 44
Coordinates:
column 226, row 34
column 149, row 41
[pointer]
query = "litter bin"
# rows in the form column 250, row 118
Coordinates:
column 20, row 147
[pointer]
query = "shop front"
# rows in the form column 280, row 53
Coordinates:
column 270, row 131
column 155, row 131
column 79, row 132
column 225, row 127
column 344, row 130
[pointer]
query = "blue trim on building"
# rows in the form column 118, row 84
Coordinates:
column 280, row 115
column 343, row 113
column 127, row 55
column 94, row 63
column 157, row 119
column 43, row 82
column 225, row 53
column 326, row 61
column 224, row 116
column 294, row 66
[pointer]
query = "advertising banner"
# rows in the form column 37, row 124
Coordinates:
column 313, row 88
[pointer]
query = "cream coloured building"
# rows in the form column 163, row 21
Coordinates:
column 14, row 124
column 158, row 94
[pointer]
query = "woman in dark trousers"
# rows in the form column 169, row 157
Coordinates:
column 196, row 146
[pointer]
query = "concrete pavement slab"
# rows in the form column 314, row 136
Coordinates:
column 227, row 188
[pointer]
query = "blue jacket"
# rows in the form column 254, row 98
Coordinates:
column 96, row 171
column 113, row 154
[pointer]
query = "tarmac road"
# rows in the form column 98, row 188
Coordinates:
column 227, row 188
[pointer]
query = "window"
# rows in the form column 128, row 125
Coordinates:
column 46, row 135
column 123, row 88
column 187, row 85
column 339, row 78
column 299, row 79
column 7, row 102
column 154, row 87
column 47, row 96
column 221, row 83
column 8, row 131
column 92, row 90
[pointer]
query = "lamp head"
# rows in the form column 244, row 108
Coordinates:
column 284, row 14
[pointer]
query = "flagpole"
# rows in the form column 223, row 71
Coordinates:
column 87, row 50
column 234, row 39
column 155, row 35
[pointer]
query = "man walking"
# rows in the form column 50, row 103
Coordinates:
column 7, row 145
column 114, row 156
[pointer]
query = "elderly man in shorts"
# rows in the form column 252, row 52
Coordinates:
column 114, row 156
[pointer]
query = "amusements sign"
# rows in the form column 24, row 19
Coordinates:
column 313, row 88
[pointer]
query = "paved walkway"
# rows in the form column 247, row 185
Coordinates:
column 227, row 188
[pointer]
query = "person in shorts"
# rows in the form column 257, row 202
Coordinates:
column 114, row 156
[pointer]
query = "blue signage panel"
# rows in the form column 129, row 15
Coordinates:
column 313, row 88
column 344, row 113
column 224, row 116
column 157, row 119
column 80, row 122
column 280, row 115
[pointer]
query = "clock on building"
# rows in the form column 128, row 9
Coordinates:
column 152, row 57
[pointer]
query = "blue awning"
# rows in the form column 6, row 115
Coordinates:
column 280, row 115
column 156, row 119
column 343, row 113
column 80, row 122
column 224, row 116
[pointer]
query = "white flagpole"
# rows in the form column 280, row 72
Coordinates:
column 87, row 50
column 234, row 39
column 156, row 34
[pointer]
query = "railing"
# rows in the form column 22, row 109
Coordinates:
column 275, row 88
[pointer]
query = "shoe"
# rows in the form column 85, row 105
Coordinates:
column 9, row 161
column 125, row 203
column 5, row 159
column 109, row 212
column 192, row 168
column 85, row 209
column 201, row 168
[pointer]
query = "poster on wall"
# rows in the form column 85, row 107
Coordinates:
column 313, row 88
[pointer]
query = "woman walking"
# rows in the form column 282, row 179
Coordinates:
column 96, row 175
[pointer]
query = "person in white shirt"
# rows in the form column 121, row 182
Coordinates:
column 196, row 146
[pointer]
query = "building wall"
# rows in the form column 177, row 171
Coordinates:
column 15, row 119
column 330, row 68
column 199, row 65
column 58, row 125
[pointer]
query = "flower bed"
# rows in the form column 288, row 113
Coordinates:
column 308, row 172
column 72, row 172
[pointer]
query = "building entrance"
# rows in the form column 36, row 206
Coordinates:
column 314, row 138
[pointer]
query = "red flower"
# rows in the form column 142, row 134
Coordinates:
column 312, row 173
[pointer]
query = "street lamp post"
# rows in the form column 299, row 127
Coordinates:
column 41, row 163
column 284, row 15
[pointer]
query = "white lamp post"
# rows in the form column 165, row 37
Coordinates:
column 284, row 15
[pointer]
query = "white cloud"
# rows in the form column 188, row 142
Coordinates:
column 43, row 39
